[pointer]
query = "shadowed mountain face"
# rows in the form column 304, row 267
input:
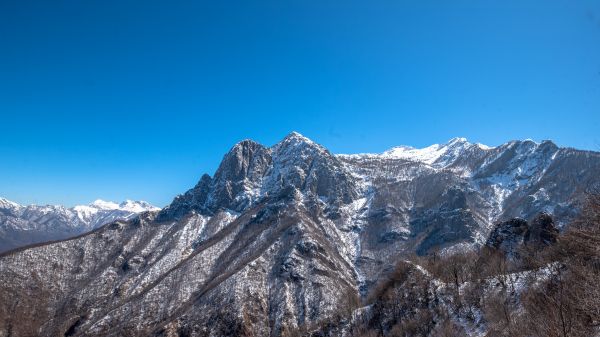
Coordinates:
column 282, row 237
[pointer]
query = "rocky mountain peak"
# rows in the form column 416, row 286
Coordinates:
column 300, row 163
column 127, row 206
column 529, row 145
column 457, row 141
column 295, row 136
column 436, row 155
column 102, row 204
column 137, row 206
column 250, row 172
column 7, row 204
column 296, row 144
column 246, row 160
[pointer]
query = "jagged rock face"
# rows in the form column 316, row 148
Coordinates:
column 24, row 225
column 512, row 235
column 310, row 168
column 232, row 187
column 509, row 235
column 541, row 232
column 250, row 172
column 241, row 170
column 280, row 237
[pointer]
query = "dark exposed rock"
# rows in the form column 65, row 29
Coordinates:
column 541, row 231
column 391, row 237
column 510, row 236
column 192, row 200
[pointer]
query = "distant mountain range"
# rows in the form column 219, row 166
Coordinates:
column 281, row 237
column 23, row 225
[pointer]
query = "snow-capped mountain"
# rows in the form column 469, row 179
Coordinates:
column 22, row 225
column 455, row 192
column 101, row 212
column 282, row 237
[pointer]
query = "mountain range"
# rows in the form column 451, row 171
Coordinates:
column 282, row 237
column 24, row 225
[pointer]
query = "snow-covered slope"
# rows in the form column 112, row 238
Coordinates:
column 22, row 225
column 284, row 236
column 474, row 184
column 436, row 155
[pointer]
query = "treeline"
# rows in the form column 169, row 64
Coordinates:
column 549, row 288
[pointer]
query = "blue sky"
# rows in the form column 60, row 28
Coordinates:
column 129, row 99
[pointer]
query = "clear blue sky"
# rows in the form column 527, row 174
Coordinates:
column 136, row 99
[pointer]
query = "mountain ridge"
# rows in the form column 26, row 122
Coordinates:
column 282, row 237
column 22, row 225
